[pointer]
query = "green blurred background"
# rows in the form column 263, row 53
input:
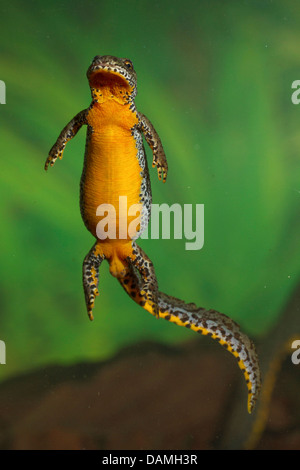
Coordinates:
column 215, row 79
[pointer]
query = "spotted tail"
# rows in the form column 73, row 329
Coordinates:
column 207, row 322
column 220, row 327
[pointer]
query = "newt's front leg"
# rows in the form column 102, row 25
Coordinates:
column 66, row 134
column 154, row 142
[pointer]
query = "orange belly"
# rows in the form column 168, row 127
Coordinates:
column 111, row 171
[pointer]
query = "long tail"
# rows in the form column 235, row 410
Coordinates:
column 139, row 281
column 215, row 325
column 220, row 327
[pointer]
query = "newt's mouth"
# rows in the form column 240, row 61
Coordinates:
column 109, row 79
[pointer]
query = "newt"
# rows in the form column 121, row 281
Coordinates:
column 115, row 166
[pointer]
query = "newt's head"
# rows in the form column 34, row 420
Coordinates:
column 112, row 78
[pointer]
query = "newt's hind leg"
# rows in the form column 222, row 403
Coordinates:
column 90, row 277
column 131, row 283
column 140, row 280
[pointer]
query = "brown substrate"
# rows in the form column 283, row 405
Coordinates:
column 147, row 397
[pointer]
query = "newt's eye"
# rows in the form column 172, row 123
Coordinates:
column 128, row 64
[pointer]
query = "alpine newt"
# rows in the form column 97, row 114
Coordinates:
column 115, row 165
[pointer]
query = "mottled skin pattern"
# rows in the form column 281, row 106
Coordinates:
column 115, row 165
column 90, row 275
